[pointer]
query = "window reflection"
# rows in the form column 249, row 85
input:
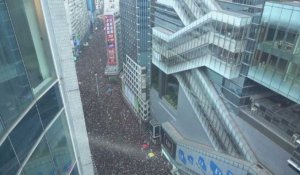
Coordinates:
column 15, row 91
column 40, row 161
column 28, row 22
column 75, row 171
column 8, row 162
column 26, row 133
column 276, row 64
column 61, row 146
column 49, row 105
column 1, row 129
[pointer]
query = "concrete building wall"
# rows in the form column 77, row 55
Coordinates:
column 77, row 17
column 183, row 118
column 65, row 66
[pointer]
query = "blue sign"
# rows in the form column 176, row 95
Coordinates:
column 215, row 169
column 201, row 163
column 229, row 172
column 181, row 156
column 190, row 159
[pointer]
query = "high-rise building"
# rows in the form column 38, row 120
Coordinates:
column 136, row 38
column 79, row 22
column 42, row 128
column 91, row 7
column 225, row 85
column 112, row 28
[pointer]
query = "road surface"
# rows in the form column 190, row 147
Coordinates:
column 115, row 136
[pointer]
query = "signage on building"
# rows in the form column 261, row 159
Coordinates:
column 168, row 143
column 110, row 39
column 203, row 164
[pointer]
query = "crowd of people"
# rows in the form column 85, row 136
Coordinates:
column 119, row 144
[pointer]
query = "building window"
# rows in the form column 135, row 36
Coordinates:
column 40, row 161
column 49, row 105
column 8, row 160
column 15, row 90
column 26, row 133
column 29, row 25
column 59, row 140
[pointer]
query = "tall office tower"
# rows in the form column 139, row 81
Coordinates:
column 79, row 23
column 91, row 7
column 136, row 38
column 224, row 85
column 112, row 27
column 42, row 128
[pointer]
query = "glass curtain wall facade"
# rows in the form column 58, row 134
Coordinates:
column 34, row 133
column 276, row 63
column 226, row 70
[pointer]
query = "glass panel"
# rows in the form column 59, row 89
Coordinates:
column 294, row 22
column 49, row 105
column 75, row 170
column 275, row 15
column 266, row 13
column 15, row 91
column 291, row 37
column 1, row 129
column 172, row 91
column 285, row 17
column 40, row 161
column 280, row 35
column 282, row 65
column 26, row 133
column 28, row 22
column 8, row 162
column 60, row 145
column 270, row 34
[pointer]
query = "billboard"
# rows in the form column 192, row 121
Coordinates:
column 204, row 164
column 110, row 39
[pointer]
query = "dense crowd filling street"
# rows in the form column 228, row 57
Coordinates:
column 115, row 136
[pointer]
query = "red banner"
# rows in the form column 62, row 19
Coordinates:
column 110, row 39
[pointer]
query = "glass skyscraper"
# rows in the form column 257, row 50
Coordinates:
column 36, row 135
column 136, row 38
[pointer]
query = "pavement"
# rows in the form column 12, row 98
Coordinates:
column 116, row 139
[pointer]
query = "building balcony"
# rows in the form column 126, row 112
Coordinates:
column 280, row 48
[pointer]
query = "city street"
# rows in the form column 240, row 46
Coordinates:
column 115, row 137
